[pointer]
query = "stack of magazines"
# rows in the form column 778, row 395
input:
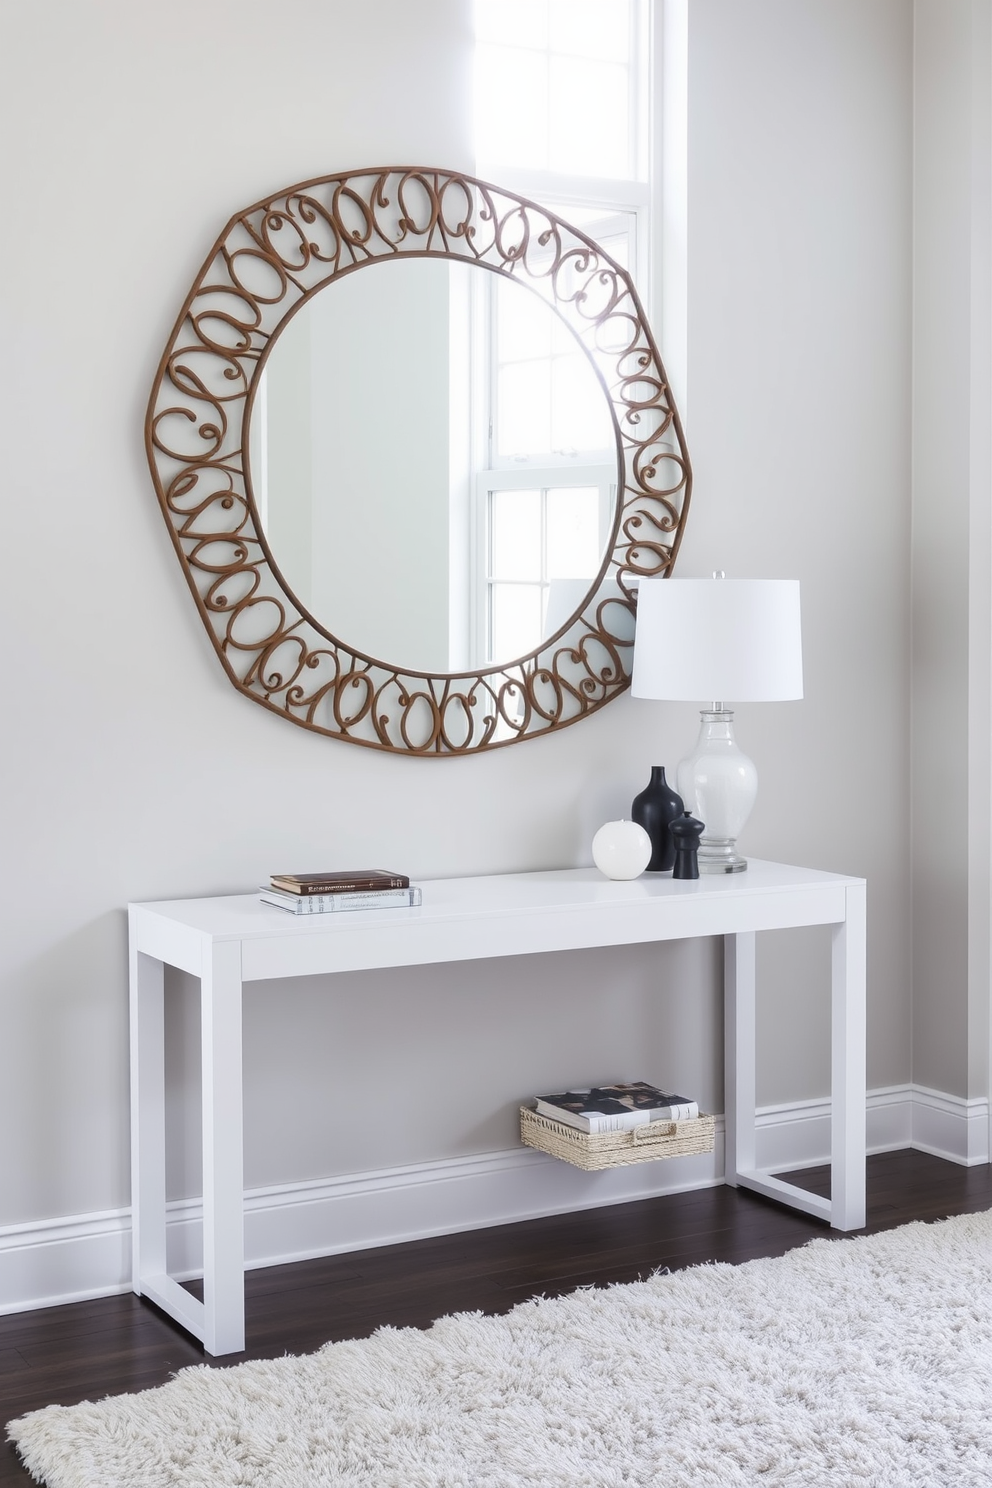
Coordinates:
column 609, row 1108
column 325, row 893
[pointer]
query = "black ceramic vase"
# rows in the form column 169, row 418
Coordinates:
column 686, row 833
column 655, row 809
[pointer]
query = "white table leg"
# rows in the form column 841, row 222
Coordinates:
column 739, row 1055
column 147, row 1034
column 740, row 1085
column 223, row 1160
column 848, row 1078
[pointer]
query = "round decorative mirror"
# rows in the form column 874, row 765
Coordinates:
column 413, row 504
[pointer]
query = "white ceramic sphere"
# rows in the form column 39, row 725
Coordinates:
column 621, row 849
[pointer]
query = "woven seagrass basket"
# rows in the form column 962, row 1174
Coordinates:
column 595, row 1150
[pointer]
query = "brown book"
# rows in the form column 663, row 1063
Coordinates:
column 339, row 883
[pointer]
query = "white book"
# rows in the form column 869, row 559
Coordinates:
column 686, row 1111
column 606, row 1108
column 312, row 904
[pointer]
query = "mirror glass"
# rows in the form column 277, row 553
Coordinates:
column 433, row 460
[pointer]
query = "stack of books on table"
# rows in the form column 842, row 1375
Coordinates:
column 611, row 1108
column 326, row 893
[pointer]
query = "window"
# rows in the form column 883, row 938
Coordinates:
column 560, row 116
column 559, row 87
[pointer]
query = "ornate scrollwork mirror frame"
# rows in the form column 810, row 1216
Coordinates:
column 269, row 260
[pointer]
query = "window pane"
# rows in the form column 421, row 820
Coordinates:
column 614, row 231
column 516, row 620
column 617, row 245
column 515, row 534
column 590, row 28
column 514, row 22
column 564, row 341
column 511, row 106
column 580, row 413
column 574, row 547
column 524, row 324
column 588, row 115
column 523, row 422
column 557, row 85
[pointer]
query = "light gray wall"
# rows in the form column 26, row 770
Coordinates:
column 799, row 256
column 133, row 770
column 952, row 414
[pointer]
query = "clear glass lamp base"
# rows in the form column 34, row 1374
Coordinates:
column 718, row 783
column 719, row 857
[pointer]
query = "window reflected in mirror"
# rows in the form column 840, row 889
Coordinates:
column 545, row 549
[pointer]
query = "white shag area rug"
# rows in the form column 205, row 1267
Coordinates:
column 847, row 1363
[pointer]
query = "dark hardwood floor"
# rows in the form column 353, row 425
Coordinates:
column 91, row 1349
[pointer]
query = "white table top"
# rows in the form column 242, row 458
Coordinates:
column 244, row 916
column 501, row 914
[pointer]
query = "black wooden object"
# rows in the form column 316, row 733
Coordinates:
column 686, row 832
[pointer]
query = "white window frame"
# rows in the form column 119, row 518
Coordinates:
column 624, row 203
column 559, row 190
column 532, row 477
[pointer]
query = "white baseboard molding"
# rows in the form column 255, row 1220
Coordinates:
column 951, row 1127
column 797, row 1134
column 50, row 1262
column 54, row 1260
column 57, row 1261
column 438, row 1198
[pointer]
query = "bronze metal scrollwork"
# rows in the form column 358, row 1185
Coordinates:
column 268, row 261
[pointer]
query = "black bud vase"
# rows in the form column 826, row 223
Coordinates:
column 655, row 809
column 686, row 833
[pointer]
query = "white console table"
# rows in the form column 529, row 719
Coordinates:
column 229, row 941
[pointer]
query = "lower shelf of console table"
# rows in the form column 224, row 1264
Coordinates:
column 236, row 939
column 593, row 1152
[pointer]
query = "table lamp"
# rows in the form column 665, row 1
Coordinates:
column 727, row 639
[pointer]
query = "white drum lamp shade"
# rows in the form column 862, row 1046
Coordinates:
column 737, row 640
column 718, row 640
